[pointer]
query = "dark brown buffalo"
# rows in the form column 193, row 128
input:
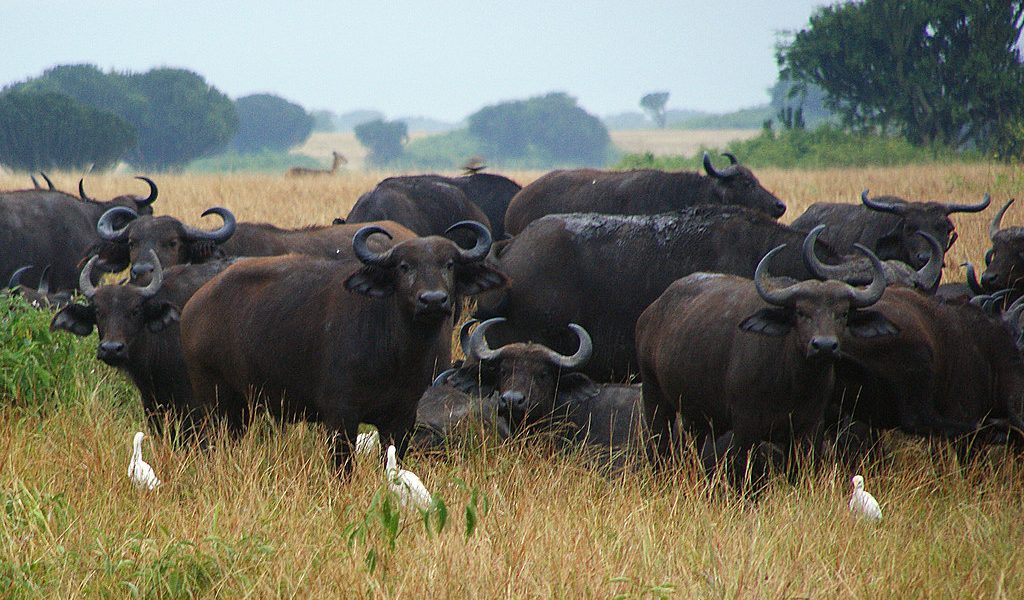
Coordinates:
column 951, row 369
column 641, row 192
column 727, row 353
column 176, row 243
column 426, row 205
column 341, row 342
column 1004, row 262
column 138, row 332
column 43, row 227
column 39, row 297
column 887, row 225
column 601, row 271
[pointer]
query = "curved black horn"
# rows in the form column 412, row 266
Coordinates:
column 35, row 184
column 483, row 241
column 152, row 192
column 871, row 294
column 952, row 208
column 927, row 277
column 156, row 279
column 44, row 281
column 815, row 266
column 442, row 377
column 988, row 256
column 781, row 297
column 1013, row 311
column 993, row 227
column 85, row 278
column 15, row 280
column 464, row 335
column 49, row 183
column 889, row 207
column 731, row 157
column 581, row 356
column 478, row 348
column 105, row 226
column 972, row 279
column 217, row 236
column 81, row 189
column 364, row 254
column 710, row 169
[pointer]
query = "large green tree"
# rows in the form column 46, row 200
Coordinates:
column 654, row 103
column 939, row 71
column 266, row 121
column 383, row 139
column 46, row 130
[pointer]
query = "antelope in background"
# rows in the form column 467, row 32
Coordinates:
column 339, row 160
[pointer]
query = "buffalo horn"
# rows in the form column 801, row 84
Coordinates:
column 727, row 172
column 478, row 349
column 988, row 256
column 156, row 279
column 483, row 241
column 464, row 335
column 218, row 236
column 44, row 281
column 815, row 266
column 731, row 157
column 152, row 192
column 105, row 226
column 993, row 227
column 952, row 208
column 81, row 189
column 35, row 183
column 581, row 356
column 889, row 207
column 871, row 294
column 85, row 278
column 49, row 183
column 364, row 254
column 442, row 377
column 972, row 279
column 16, row 277
column 927, row 277
column 781, row 297
column 1013, row 311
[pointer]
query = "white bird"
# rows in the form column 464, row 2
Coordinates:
column 405, row 484
column 368, row 443
column 139, row 471
column 863, row 504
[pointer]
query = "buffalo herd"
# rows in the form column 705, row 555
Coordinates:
column 630, row 315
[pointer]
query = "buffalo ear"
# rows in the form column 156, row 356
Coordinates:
column 870, row 324
column 200, row 250
column 475, row 379
column 374, row 282
column 474, row 278
column 774, row 322
column 160, row 316
column 574, row 388
column 76, row 318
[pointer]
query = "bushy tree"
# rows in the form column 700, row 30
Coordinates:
column 552, row 128
column 944, row 71
column 654, row 103
column 383, row 139
column 323, row 120
column 46, row 130
column 266, row 121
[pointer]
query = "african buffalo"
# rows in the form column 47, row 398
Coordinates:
column 886, row 225
column 727, row 353
column 39, row 297
column 641, row 192
column 1004, row 262
column 42, row 227
column 341, row 342
column 138, row 332
column 601, row 271
column 426, row 205
column 491, row 193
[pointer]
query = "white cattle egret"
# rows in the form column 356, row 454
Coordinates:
column 862, row 503
column 139, row 471
column 406, row 484
column 368, row 443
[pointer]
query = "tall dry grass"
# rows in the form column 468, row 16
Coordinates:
column 264, row 517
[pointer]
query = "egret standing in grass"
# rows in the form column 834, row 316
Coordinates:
column 405, row 484
column 368, row 443
column 862, row 503
column 139, row 471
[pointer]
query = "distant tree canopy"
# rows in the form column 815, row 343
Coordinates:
column 266, row 121
column 323, row 120
column 177, row 116
column 654, row 103
column 938, row 72
column 383, row 139
column 552, row 128
column 47, row 130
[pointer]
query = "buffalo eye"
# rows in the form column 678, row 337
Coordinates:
column 171, row 244
column 404, row 267
column 450, row 265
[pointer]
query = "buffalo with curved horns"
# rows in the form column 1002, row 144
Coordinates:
column 340, row 342
column 41, row 296
column 1004, row 261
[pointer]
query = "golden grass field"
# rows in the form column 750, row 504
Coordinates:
column 264, row 517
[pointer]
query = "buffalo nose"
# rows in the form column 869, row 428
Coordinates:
column 923, row 257
column 512, row 401
column 780, row 208
column 111, row 351
column 988, row 279
column 140, row 269
column 824, row 345
column 433, row 298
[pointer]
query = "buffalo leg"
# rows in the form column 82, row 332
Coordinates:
column 397, row 431
column 660, row 418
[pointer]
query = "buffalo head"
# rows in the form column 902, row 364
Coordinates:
column 736, row 184
column 41, row 296
column 1004, row 262
column 427, row 275
column 142, row 206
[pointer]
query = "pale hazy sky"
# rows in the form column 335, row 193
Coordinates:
column 442, row 59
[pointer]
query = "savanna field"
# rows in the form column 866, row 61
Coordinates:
column 266, row 517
